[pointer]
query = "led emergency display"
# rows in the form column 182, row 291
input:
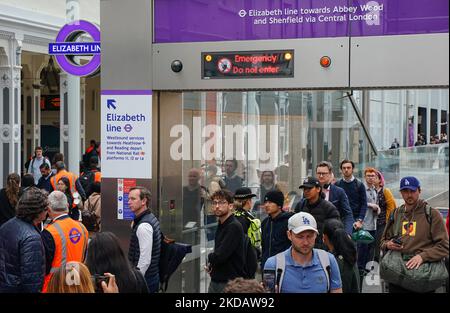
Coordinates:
column 250, row 64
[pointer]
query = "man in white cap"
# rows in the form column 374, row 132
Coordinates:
column 301, row 268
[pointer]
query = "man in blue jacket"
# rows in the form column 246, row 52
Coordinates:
column 22, row 256
column 335, row 194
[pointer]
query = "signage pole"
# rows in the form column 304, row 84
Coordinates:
column 74, row 102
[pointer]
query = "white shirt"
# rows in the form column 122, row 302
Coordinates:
column 349, row 180
column 33, row 168
column 326, row 191
column 144, row 234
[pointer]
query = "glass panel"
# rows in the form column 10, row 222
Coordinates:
column 29, row 110
column 16, row 154
column 276, row 139
column 37, row 109
column 66, row 153
column 260, row 139
column 16, row 106
column 66, row 111
column 5, row 162
column 5, row 105
column 428, row 163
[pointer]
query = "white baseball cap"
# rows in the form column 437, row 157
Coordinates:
column 302, row 221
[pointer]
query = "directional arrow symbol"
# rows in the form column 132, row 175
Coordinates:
column 111, row 104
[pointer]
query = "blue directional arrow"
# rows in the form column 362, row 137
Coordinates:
column 111, row 103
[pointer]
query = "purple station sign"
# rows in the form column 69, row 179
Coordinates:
column 66, row 47
column 218, row 20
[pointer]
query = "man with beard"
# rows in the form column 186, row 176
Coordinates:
column 301, row 268
column 421, row 236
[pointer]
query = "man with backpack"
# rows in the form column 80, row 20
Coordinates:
column 301, row 268
column 92, row 175
column 416, row 231
column 35, row 163
column 226, row 262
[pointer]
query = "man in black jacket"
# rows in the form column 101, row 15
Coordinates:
column 226, row 262
column 317, row 206
column 44, row 182
column 274, row 227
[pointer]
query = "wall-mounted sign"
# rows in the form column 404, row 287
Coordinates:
column 249, row 64
column 126, row 130
column 50, row 103
column 200, row 21
column 123, row 190
column 66, row 47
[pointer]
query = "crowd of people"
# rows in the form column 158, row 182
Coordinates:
column 434, row 140
column 51, row 238
column 323, row 219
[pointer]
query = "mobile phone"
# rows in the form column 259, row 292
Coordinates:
column 397, row 240
column 269, row 280
column 97, row 281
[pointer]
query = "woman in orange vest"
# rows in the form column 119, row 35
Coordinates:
column 63, row 185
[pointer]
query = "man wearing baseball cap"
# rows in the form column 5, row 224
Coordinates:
column 274, row 226
column 421, row 236
column 301, row 268
column 315, row 204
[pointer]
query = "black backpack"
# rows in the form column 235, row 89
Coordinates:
column 86, row 181
column 172, row 254
column 250, row 258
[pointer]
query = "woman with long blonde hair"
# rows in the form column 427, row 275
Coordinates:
column 9, row 196
column 75, row 277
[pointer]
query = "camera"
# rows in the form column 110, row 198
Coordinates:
column 177, row 66
column 97, row 281
column 269, row 280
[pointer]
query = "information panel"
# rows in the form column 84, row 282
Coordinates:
column 249, row 64
column 126, row 134
column 123, row 190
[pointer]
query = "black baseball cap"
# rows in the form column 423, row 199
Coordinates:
column 310, row 182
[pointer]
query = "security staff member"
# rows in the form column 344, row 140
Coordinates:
column 65, row 240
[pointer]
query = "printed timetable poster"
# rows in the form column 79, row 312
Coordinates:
column 123, row 190
column 126, row 127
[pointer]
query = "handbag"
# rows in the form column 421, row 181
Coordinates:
column 362, row 236
column 428, row 277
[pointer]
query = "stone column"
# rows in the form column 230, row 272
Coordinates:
column 31, row 120
column 63, row 117
column 10, row 121
column 72, row 158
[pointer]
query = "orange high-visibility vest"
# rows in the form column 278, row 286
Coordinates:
column 98, row 177
column 71, row 240
column 63, row 173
